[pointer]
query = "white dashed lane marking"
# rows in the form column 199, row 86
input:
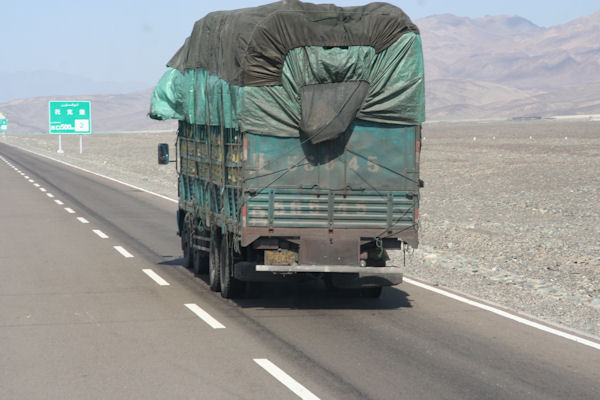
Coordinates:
column 123, row 252
column 50, row 195
column 83, row 220
column 285, row 379
column 69, row 210
column 60, row 203
column 204, row 316
column 155, row 277
column 101, row 234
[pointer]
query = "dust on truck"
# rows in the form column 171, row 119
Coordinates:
column 298, row 143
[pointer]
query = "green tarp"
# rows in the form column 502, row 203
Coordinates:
column 393, row 71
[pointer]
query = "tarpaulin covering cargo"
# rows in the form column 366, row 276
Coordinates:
column 290, row 67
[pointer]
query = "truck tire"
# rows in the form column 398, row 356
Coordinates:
column 230, row 287
column 200, row 262
column 214, row 261
column 186, row 245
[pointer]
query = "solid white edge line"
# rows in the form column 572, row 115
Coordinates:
column 155, row 277
column 83, row 220
column 101, row 234
column 123, row 252
column 204, row 316
column 60, row 203
column 69, row 210
column 285, row 379
column 97, row 174
column 505, row 314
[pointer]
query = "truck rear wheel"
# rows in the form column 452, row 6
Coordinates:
column 186, row 245
column 214, row 261
column 230, row 287
column 200, row 262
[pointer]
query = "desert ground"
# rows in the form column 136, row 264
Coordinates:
column 510, row 212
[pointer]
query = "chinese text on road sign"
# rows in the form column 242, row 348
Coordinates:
column 69, row 117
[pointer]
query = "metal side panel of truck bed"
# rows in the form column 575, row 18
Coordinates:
column 363, row 184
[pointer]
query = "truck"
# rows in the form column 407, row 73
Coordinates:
column 298, row 144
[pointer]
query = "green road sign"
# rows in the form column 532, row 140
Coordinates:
column 3, row 124
column 69, row 117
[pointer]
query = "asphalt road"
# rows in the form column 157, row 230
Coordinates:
column 80, row 318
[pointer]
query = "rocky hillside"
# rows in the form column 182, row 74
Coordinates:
column 504, row 66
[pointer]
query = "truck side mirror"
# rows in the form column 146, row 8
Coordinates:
column 163, row 153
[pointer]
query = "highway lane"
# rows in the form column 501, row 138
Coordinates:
column 79, row 320
column 410, row 344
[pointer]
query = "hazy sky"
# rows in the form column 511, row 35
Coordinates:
column 131, row 40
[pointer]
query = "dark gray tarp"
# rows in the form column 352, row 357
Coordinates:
column 328, row 109
column 248, row 47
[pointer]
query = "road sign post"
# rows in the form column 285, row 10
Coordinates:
column 69, row 118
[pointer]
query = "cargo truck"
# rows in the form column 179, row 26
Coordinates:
column 298, row 143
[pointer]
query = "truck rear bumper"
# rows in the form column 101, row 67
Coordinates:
column 330, row 268
column 343, row 276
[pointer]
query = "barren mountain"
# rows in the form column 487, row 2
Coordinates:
column 484, row 67
column 491, row 67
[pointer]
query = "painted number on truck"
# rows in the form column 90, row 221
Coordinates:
column 353, row 164
column 371, row 164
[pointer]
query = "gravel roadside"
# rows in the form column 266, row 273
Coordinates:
column 510, row 212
